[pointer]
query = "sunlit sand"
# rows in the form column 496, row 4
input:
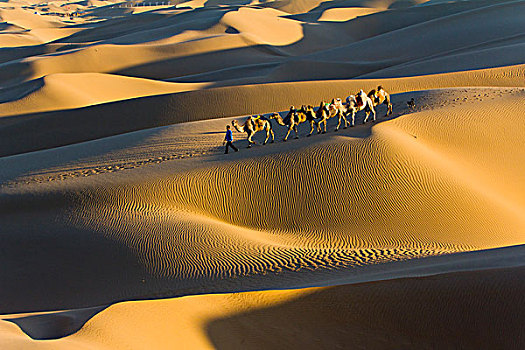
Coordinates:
column 125, row 226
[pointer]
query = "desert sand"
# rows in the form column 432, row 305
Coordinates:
column 125, row 226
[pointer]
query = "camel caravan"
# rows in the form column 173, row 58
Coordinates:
column 344, row 111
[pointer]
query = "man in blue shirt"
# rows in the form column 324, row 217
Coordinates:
column 228, row 140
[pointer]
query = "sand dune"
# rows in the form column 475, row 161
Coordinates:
column 243, row 49
column 118, row 117
column 505, row 54
column 211, row 37
column 26, row 19
column 68, row 91
column 403, row 233
column 373, row 315
column 325, row 204
column 345, row 14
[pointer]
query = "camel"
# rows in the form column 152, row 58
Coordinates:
column 253, row 124
column 330, row 110
column 310, row 114
column 323, row 114
column 338, row 105
column 294, row 118
column 380, row 96
column 358, row 103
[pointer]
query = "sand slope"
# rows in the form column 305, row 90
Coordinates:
column 81, row 124
column 327, row 203
column 68, row 91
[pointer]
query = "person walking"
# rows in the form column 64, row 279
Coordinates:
column 228, row 140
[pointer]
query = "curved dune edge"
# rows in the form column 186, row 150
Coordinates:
column 63, row 91
column 345, row 14
column 372, row 314
column 261, row 98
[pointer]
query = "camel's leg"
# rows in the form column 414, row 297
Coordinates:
column 319, row 126
column 325, row 122
column 250, row 142
column 388, row 104
column 346, row 121
column 288, row 133
column 353, row 117
column 267, row 135
column 273, row 136
column 373, row 113
column 311, row 127
column 339, row 115
column 344, row 118
column 341, row 118
column 366, row 117
column 296, row 133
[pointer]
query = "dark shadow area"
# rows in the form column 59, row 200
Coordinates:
column 466, row 310
column 53, row 265
column 227, row 3
column 157, row 25
column 49, row 264
column 20, row 91
column 481, row 56
column 231, row 30
column 403, row 4
column 15, row 72
column 55, row 325
column 212, row 64
column 13, row 54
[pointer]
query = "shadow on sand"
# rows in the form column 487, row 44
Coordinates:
column 467, row 310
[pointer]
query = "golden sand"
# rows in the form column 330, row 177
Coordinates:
column 403, row 233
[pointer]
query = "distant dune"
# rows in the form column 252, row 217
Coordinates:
column 406, row 232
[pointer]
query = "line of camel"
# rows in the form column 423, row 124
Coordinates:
column 307, row 113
